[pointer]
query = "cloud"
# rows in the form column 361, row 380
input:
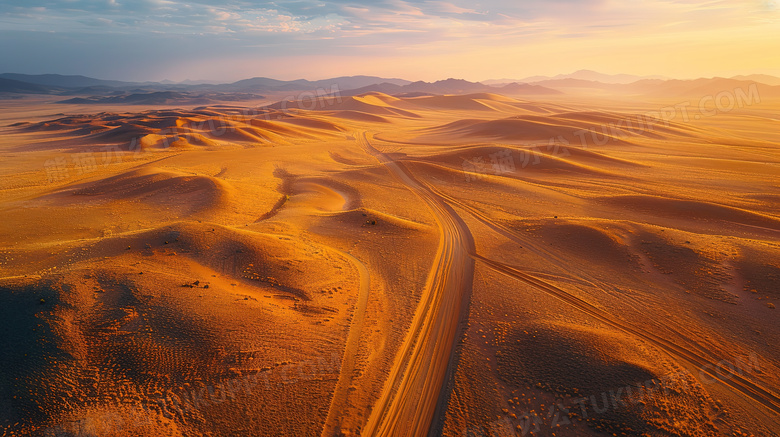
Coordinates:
column 145, row 30
column 382, row 16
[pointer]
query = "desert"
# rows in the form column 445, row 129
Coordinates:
column 438, row 264
column 389, row 218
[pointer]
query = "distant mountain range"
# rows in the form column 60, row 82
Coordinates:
column 16, row 86
column 675, row 88
column 59, row 84
column 87, row 90
column 451, row 86
column 59, row 81
column 340, row 83
column 589, row 75
column 585, row 78
column 760, row 78
column 164, row 98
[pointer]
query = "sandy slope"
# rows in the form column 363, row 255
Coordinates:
column 376, row 265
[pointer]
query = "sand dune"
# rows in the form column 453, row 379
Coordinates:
column 616, row 361
column 390, row 265
column 694, row 210
column 180, row 130
column 374, row 103
column 314, row 124
column 585, row 129
column 517, row 129
column 140, row 328
column 529, row 161
column 365, row 218
column 325, row 196
column 156, row 186
column 359, row 116
column 468, row 102
column 760, row 272
column 696, row 271
column 591, row 243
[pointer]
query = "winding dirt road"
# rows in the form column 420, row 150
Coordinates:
column 414, row 393
column 332, row 422
column 415, row 390
column 699, row 358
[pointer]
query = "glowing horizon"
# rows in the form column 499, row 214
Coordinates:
column 415, row 40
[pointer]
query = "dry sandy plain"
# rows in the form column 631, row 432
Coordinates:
column 475, row 265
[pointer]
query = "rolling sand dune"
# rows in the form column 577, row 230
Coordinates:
column 697, row 271
column 695, row 210
column 616, row 361
column 359, row 116
column 154, row 186
column 510, row 129
column 592, row 243
column 586, row 129
column 539, row 161
column 180, row 130
column 416, row 265
column 760, row 272
column 137, row 332
column 374, row 104
column 468, row 102
column 314, row 124
column 326, row 195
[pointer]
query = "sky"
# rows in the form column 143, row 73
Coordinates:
column 227, row 40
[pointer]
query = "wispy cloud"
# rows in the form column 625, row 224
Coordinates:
column 322, row 27
column 382, row 15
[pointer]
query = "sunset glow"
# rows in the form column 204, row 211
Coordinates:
column 421, row 40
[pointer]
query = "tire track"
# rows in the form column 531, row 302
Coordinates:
column 414, row 393
column 735, row 381
column 584, row 277
column 503, row 230
column 340, row 393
